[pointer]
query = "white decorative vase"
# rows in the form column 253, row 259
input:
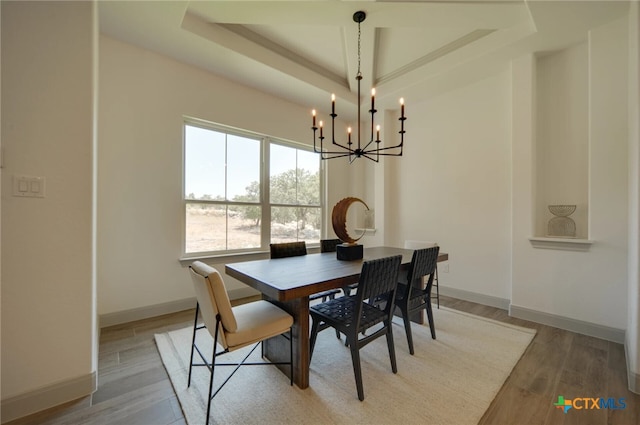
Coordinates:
column 561, row 226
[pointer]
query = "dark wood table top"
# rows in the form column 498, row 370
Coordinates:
column 284, row 279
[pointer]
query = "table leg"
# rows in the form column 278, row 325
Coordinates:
column 277, row 349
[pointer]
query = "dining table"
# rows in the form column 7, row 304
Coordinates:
column 288, row 283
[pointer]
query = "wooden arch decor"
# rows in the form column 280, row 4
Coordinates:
column 339, row 219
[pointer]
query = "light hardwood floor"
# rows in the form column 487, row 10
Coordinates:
column 133, row 387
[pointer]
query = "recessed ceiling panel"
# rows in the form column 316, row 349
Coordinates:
column 398, row 47
column 321, row 45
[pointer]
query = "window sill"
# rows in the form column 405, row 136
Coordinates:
column 186, row 260
column 565, row 244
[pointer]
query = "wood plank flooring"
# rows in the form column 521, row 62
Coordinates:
column 133, row 387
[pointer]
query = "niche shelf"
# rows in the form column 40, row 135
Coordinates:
column 565, row 244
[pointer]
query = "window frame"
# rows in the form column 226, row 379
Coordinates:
column 264, row 201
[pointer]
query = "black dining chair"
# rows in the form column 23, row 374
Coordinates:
column 411, row 244
column 329, row 245
column 296, row 249
column 410, row 298
column 355, row 314
column 288, row 249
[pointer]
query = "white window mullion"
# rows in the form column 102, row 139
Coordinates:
column 264, row 194
column 226, row 191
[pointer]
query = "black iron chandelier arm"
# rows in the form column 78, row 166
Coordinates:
column 398, row 146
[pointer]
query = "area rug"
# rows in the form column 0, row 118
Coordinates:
column 450, row 380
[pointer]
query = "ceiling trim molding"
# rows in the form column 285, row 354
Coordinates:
column 282, row 51
column 459, row 43
column 268, row 53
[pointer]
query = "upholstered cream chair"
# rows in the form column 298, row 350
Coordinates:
column 410, row 244
column 232, row 327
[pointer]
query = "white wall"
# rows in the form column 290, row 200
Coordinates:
column 47, row 243
column 143, row 98
column 453, row 184
column 586, row 286
column 460, row 185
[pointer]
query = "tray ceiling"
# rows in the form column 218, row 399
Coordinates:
column 305, row 50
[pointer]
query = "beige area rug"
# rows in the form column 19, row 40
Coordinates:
column 450, row 380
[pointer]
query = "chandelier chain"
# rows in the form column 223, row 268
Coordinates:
column 359, row 36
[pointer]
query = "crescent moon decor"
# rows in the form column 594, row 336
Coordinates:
column 350, row 250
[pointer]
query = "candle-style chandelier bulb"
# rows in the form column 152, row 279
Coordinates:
column 368, row 151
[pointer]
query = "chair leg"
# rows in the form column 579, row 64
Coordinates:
column 333, row 297
column 315, row 324
column 193, row 343
column 213, row 364
column 437, row 285
column 430, row 317
column 407, row 329
column 357, row 370
column 392, row 348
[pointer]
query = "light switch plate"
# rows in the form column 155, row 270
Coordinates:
column 28, row 186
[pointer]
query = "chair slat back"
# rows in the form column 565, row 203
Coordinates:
column 329, row 245
column 379, row 277
column 411, row 244
column 288, row 249
column 213, row 299
column 423, row 263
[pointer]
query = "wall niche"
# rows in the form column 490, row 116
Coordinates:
column 562, row 137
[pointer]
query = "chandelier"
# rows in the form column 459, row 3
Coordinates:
column 371, row 150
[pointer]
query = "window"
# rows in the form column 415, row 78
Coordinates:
column 243, row 191
column 294, row 189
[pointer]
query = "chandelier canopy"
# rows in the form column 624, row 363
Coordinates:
column 371, row 150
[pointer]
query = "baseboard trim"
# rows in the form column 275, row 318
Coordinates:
column 475, row 297
column 126, row 316
column 49, row 396
column 573, row 325
column 634, row 382
column 633, row 379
